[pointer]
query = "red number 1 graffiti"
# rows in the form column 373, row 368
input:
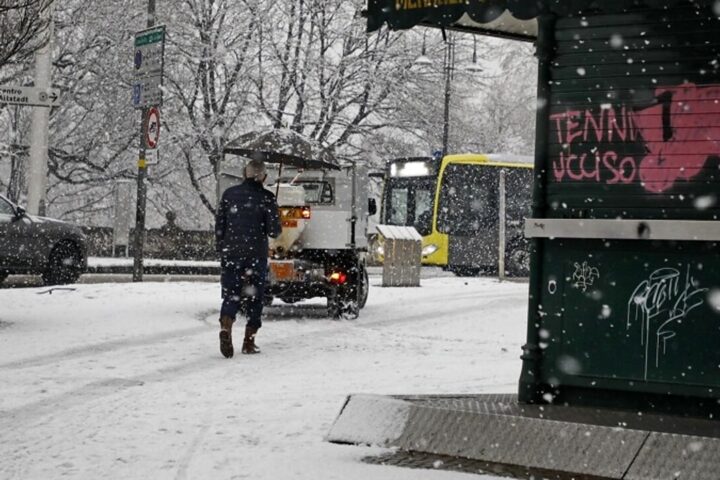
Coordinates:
column 680, row 133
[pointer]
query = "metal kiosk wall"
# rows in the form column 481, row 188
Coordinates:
column 626, row 275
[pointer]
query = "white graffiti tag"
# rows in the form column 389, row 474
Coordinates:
column 661, row 303
column 584, row 276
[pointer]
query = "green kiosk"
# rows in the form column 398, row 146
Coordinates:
column 621, row 368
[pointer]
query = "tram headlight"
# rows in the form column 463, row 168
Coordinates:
column 429, row 249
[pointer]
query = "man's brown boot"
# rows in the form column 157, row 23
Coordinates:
column 249, row 346
column 226, row 345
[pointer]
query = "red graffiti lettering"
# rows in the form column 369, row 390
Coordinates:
column 559, row 167
column 609, row 160
column 573, row 130
column 614, row 127
column 585, row 167
column 597, row 125
column 680, row 134
column 628, row 170
column 578, row 175
column 624, row 172
column 604, row 126
column 557, row 117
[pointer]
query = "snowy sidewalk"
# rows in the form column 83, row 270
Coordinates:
column 126, row 380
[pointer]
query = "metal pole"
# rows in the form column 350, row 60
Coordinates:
column 139, row 239
column 530, row 388
column 37, row 171
column 501, row 225
column 449, row 61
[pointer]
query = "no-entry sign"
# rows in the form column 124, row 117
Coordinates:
column 152, row 129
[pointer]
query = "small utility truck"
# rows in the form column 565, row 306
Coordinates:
column 323, row 246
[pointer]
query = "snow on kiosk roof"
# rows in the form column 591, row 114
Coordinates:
column 515, row 19
column 395, row 232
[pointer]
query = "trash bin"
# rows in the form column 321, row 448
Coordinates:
column 402, row 256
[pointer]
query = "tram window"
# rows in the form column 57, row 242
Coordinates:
column 398, row 214
column 468, row 200
column 423, row 211
column 518, row 187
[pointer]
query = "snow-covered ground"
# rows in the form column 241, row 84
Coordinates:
column 126, row 381
column 148, row 262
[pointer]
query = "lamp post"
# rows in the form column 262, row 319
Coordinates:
column 449, row 66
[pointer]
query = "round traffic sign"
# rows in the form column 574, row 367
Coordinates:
column 152, row 129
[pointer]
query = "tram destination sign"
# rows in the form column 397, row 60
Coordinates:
column 29, row 96
column 148, row 66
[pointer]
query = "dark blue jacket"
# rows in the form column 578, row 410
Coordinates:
column 247, row 216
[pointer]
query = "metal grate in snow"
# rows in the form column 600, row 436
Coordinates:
column 485, row 432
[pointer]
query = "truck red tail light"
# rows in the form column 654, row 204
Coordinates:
column 338, row 278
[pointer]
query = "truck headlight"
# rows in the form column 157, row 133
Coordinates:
column 429, row 250
column 380, row 249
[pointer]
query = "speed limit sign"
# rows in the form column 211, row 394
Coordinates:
column 152, row 128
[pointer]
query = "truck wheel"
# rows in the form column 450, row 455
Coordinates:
column 267, row 300
column 3, row 277
column 340, row 307
column 364, row 287
column 63, row 266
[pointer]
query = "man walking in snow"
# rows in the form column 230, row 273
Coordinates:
column 247, row 215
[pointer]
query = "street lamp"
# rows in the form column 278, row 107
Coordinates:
column 449, row 64
column 448, row 77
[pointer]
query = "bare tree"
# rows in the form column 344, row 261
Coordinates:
column 209, row 57
column 94, row 131
column 22, row 23
column 322, row 75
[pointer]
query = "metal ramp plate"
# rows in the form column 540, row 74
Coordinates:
column 668, row 456
column 496, row 430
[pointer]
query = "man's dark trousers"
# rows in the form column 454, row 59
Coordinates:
column 243, row 280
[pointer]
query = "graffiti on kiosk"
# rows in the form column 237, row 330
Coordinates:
column 584, row 276
column 679, row 133
column 659, row 305
column 608, row 126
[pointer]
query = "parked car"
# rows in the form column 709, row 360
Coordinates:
column 43, row 246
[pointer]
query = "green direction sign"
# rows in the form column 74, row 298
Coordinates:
column 148, row 63
column 148, row 38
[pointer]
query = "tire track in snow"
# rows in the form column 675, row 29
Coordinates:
column 190, row 452
column 317, row 312
column 104, row 347
column 17, row 417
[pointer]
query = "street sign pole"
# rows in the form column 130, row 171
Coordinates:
column 38, row 161
column 139, row 239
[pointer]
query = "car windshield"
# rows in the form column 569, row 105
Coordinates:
column 6, row 208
